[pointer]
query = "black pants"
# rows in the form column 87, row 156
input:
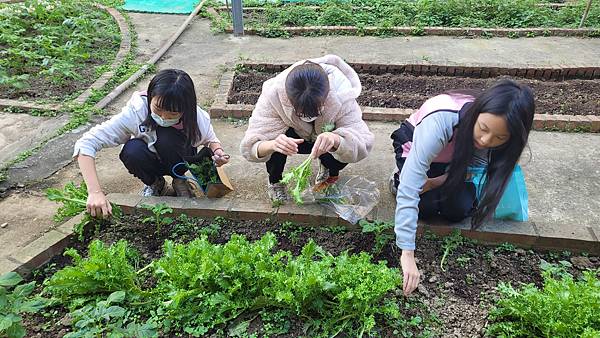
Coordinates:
column 454, row 206
column 276, row 163
column 171, row 147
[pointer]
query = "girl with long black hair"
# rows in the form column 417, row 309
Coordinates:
column 436, row 145
column 158, row 129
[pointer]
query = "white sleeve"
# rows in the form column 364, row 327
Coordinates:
column 207, row 134
column 111, row 133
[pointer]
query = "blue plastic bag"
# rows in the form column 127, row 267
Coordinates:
column 514, row 202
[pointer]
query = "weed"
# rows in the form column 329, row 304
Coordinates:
column 505, row 247
column 463, row 261
column 74, row 200
column 158, row 213
column 380, row 230
column 450, row 244
column 108, row 318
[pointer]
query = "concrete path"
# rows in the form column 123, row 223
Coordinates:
column 563, row 175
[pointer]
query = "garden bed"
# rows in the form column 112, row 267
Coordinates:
column 451, row 303
column 523, row 18
column 54, row 50
column 405, row 90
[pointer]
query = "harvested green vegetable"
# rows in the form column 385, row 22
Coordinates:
column 301, row 176
column 205, row 171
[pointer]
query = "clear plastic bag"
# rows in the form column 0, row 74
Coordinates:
column 351, row 197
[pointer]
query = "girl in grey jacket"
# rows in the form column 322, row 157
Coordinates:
column 158, row 129
column 436, row 145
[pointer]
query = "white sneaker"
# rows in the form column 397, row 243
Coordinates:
column 158, row 188
column 277, row 192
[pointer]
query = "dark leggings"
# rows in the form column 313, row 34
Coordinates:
column 276, row 163
column 454, row 207
column 171, row 147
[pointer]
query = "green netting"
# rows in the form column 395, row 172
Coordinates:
column 161, row 6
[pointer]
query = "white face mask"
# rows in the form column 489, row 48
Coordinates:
column 164, row 122
column 308, row 119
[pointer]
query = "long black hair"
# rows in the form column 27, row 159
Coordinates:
column 515, row 103
column 174, row 92
column 307, row 87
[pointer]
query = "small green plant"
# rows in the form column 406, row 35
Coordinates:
column 107, row 319
column 292, row 231
column 158, row 215
column 451, row 242
column 211, row 230
column 560, row 269
column 14, row 300
column 380, row 230
column 562, row 308
column 463, row 261
column 301, row 176
column 470, row 278
column 275, row 322
column 505, row 247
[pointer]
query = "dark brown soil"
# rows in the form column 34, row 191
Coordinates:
column 451, row 303
column 572, row 97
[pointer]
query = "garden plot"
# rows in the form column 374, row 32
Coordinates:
column 54, row 49
column 404, row 90
column 566, row 98
column 262, row 278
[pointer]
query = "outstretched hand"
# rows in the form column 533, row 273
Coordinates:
column 286, row 145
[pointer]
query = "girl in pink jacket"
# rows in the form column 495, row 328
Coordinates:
column 294, row 113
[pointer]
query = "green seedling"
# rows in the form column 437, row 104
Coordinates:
column 506, row 247
column 379, row 229
column 158, row 212
column 450, row 244
column 463, row 260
